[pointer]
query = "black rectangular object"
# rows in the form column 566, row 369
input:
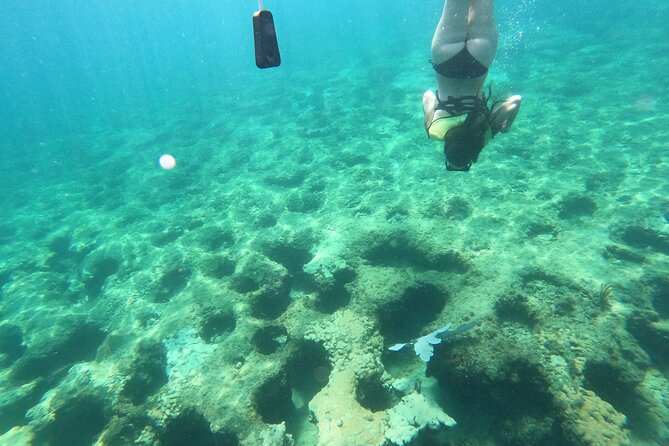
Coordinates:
column 264, row 36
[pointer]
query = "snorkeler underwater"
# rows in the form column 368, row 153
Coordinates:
column 459, row 113
column 196, row 251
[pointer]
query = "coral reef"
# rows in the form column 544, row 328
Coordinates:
column 589, row 420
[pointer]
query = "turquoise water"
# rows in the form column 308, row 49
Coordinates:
column 249, row 295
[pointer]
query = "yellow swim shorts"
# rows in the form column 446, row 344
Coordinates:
column 441, row 125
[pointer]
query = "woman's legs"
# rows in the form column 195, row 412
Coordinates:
column 451, row 33
column 482, row 39
column 470, row 25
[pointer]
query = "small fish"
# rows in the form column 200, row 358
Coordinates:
column 665, row 215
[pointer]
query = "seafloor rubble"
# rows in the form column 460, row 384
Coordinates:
column 286, row 343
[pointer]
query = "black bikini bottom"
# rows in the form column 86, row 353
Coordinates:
column 461, row 66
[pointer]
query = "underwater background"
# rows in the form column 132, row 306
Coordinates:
column 249, row 295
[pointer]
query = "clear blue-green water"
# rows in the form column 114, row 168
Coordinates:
column 251, row 293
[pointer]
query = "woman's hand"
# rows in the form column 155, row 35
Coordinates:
column 503, row 114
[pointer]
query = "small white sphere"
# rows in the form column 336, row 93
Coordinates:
column 167, row 162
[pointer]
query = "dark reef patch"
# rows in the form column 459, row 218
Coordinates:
column 14, row 404
column 538, row 275
column 213, row 238
column 171, row 284
column 457, row 208
column 11, row 343
column 147, row 372
column 273, row 400
column 64, row 256
column 304, row 201
column 601, row 181
column 96, row 274
column 308, row 369
column 643, row 238
column 576, row 206
column 403, row 319
column 286, row 178
column 545, row 295
column 61, row 254
column 165, row 237
column 659, row 297
column 78, row 422
column 267, row 286
column 245, row 282
column 350, row 159
column 272, row 300
column 269, row 339
column 331, row 300
column 332, row 291
column 265, row 220
column 509, row 390
column 218, row 266
column 192, row 428
column 537, row 229
column 651, row 333
column 293, row 256
column 517, row 308
column 125, row 429
column 5, row 277
column 373, row 395
column 623, row 254
column 401, row 251
column 76, row 344
column 7, row 233
column 215, row 324
column 616, row 381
